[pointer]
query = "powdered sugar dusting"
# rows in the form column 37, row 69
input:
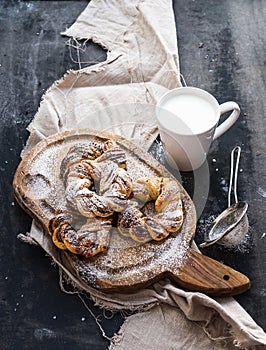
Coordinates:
column 126, row 262
column 238, row 239
column 134, row 262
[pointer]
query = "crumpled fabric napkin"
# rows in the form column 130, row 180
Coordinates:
column 119, row 95
column 142, row 63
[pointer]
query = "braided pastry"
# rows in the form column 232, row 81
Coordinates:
column 92, row 238
column 168, row 217
column 97, row 184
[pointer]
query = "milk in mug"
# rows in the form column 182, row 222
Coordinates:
column 189, row 114
column 187, row 119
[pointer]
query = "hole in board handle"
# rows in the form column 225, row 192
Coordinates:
column 226, row 277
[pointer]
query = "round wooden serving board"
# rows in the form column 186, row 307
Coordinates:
column 126, row 265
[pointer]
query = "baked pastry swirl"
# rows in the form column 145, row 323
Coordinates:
column 168, row 211
column 99, row 189
column 92, row 238
column 96, row 185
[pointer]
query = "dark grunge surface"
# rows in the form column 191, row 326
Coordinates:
column 222, row 49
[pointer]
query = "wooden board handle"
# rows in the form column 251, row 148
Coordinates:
column 203, row 274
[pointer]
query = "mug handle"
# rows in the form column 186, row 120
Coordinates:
column 227, row 107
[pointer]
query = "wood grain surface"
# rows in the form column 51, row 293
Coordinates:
column 125, row 266
column 201, row 273
column 221, row 49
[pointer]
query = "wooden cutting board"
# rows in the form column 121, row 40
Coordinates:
column 127, row 265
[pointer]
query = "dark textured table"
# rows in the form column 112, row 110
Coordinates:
column 222, row 49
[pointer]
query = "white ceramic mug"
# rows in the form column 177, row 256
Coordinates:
column 187, row 118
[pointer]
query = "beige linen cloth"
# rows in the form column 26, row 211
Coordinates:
column 119, row 94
